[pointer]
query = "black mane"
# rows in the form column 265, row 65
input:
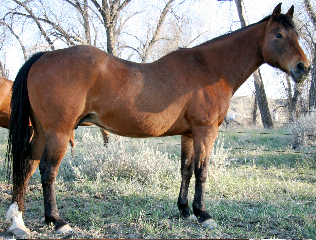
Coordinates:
column 284, row 19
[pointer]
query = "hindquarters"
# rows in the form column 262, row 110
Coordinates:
column 19, row 134
column 5, row 101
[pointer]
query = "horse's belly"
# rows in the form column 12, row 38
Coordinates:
column 145, row 124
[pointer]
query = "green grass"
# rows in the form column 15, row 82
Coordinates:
column 258, row 187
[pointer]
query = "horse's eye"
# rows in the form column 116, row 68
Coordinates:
column 278, row 35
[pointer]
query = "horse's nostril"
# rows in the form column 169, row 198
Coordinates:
column 300, row 66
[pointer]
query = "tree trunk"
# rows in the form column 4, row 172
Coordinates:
column 86, row 22
column 312, row 91
column 82, row 8
column 110, row 13
column 254, row 112
column 260, row 92
column 294, row 112
column 311, row 13
column 262, row 100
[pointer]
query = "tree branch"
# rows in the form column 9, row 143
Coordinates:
column 16, row 36
column 43, row 32
column 56, row 27
column 310, row 11
column 157, row 31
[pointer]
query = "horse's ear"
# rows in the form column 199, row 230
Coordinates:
column 290, row 13
column 276, row 11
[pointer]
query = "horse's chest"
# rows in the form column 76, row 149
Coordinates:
column 208, row 107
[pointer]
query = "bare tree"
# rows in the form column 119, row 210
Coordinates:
column 82, row 8
column 107, row 14
column 30, row 14
column 110, row 12
column 148, row 46
column 260, row 91
column 52, row 29
column 99, row 21
column 312, row 92
column 9, row 27
column 3, row 71
column 167, row 34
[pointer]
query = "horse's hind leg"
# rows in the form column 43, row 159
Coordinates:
column 187, row 166
column 54, row 151
column 15, row 211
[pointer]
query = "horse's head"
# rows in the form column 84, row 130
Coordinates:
column 281, row 48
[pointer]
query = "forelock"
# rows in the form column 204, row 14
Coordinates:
column 284, row 19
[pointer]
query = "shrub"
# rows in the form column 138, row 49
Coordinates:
column 304, row 131
column 219, row 158
column 134, row 159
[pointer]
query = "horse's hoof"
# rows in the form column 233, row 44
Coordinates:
column 19, row 231
column 64, row 229
column 210, row 224
column 192, row 217
column 15, row 216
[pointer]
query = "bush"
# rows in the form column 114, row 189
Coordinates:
column 304, row 131
column 133, row 159
column 219, row 158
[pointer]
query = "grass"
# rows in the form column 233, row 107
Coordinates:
column 258, row 187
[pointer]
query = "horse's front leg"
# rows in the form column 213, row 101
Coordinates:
column 203, row 141
column 187, row 167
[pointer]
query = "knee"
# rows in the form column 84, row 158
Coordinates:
column 200, row 175
column 187, row 173
column 47, row 178
column 48, row 175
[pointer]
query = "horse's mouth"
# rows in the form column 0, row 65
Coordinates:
column 299, row 77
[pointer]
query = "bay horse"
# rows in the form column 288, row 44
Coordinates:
column 187, row 93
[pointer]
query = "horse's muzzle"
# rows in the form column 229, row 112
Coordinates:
column 300, row 73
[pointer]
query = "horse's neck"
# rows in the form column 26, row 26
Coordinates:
column 237, row 54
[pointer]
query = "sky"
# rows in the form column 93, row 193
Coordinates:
column 216, row 17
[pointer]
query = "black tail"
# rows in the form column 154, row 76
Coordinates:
column 19, row 133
